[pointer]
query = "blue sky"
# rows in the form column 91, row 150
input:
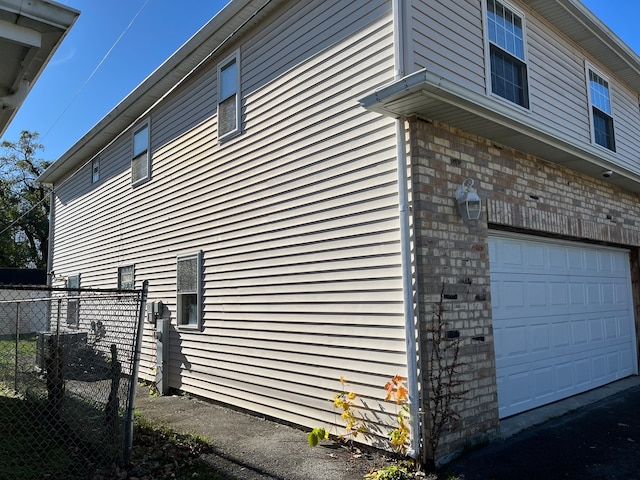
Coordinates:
column 62, row 110
column 56, row 110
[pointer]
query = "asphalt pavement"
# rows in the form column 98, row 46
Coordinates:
column 598, row 441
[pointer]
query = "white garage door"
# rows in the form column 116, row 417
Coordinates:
column 562, row 319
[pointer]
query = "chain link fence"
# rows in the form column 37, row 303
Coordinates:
column 68, row 367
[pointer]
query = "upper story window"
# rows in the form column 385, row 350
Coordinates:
column 601, row 118
column 140, row 163
column 95, row 170
column 507, row 59
column 228, row 96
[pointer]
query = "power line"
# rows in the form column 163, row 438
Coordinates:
column 95, row 70
column 73, row 99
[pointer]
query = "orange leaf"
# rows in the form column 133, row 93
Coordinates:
column 402, row 394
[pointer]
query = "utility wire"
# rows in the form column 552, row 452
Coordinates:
column 95, row 70
column 202, row 62
column 73, row 99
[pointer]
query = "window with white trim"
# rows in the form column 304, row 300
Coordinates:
column 126, row 278
column 507, row 53
column 140, row 163
column 188, row 290
column 228, row 96
column 600, row 110
column 73, row 302
column 95, row 170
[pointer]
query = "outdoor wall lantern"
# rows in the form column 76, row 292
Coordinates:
column 469, row 203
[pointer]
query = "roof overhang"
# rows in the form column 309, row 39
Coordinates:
column 30, row 33
column 590, row 33
column 430, row 96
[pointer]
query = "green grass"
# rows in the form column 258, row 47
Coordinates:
column 26, row 344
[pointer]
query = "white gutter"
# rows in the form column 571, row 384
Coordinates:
column 405, row 240
column 15, row 99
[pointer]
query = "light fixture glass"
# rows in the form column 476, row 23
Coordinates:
column 469, row 203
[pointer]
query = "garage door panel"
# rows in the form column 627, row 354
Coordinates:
column 533, row 339
column 562, row 319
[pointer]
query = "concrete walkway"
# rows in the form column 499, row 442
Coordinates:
column 591, row 436
column 247, row 447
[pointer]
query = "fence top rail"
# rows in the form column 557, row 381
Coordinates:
column 67, row 289
column 55, row 293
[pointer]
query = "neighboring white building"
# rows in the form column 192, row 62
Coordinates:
column 285, row 182
column 20, row 311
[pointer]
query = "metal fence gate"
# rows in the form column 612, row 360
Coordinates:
column 68, row 368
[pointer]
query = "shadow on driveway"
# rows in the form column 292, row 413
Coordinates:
column 598, row 441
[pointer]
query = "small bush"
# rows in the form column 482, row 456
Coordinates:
column 390, row 472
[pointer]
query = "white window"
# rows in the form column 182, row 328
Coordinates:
column 140, row 163
column 600, row 111
column 228, row 96
column 126, row 278
column 73, row 303
column 189, row 288
column 507, row 53
column 95, row 170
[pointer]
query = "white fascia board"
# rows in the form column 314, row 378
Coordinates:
column 42, row 11
column 21, row 35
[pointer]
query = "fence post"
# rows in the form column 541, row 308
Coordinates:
column 128, row 430
column 17, row 356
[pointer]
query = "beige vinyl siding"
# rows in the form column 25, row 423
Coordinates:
column 559, row 91
column 625, row 104
column 297, row 219
column 447, row 39
column 557, row 81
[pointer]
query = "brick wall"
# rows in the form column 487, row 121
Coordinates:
column 520, row 192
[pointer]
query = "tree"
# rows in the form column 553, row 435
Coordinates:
column 24, row 204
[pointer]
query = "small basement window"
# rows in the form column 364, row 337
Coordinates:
column 73, row 302
column 125, row 278
column 188, row 290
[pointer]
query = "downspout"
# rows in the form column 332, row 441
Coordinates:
column 405, row 239
column 52, row 203
column 15, row 99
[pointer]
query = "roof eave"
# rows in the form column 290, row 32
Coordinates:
column 581, row 26
column 430, row 96
column 176, row 68
column 44, row 17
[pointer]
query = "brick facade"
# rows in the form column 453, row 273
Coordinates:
column 520, row 193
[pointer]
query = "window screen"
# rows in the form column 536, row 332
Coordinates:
column 140, row 161
column 601, row 111
column 507, row 54
column 228, row 101
column 188, row 274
